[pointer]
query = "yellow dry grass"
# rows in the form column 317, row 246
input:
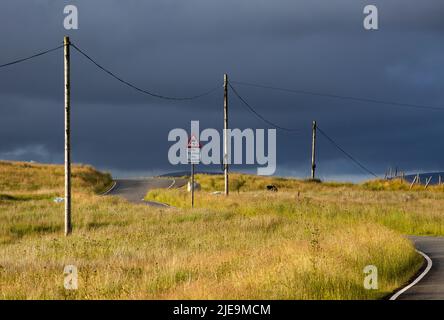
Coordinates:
column 308, row 241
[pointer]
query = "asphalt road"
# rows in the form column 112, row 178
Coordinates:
column 134, row 190
column 431, row 286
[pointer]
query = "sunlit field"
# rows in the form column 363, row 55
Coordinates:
column 307, row 241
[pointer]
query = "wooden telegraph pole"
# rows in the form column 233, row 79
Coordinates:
column 68, row 226
column 226, row 133
column 313, row 152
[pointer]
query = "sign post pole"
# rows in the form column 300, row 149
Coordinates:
column 192, row 185
column 193, row 158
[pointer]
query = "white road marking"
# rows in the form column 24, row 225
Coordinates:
column 172, row 184
column 143, row 199
column 429, row 266
column 159, row 203
column 109, row 190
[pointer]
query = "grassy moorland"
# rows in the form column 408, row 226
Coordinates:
column 307, row 241
column 338, row 227
column 391, row 203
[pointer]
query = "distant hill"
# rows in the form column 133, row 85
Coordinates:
column 188, row 173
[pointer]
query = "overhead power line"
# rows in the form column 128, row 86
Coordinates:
column 336, row 96
column 138, row 88
column 30, row 57
column 346, row 153
column 259, row 115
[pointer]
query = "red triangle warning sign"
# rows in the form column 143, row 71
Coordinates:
column 193, row 142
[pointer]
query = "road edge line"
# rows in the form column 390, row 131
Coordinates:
column 109, row 190
column 172, row 184
column 166, row 205
column 159, row 203
column 419, row 278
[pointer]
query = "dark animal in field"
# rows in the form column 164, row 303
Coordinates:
column 272, row 187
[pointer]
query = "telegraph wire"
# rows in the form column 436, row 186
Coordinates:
column 346, row 153
column 138, row 88
column 259, row 115
column 31, row 57
column 336, row 96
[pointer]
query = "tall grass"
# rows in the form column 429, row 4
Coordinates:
column 416, row 211
column 307, row 241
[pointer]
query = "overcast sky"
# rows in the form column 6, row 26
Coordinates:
column 181, row 48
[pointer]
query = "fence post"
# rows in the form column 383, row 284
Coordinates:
column 428, row 182
column 413, row 182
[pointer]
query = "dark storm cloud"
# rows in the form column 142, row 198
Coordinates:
column 182, row 48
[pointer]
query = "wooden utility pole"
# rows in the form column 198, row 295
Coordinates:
column 313, row 151
column 68, row 226
column 226, row 133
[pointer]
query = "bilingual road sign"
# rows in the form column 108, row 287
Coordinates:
column 194, row 150
column 194, row 156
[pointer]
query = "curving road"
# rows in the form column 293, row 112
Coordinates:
column 431, row 286
column 134, row 190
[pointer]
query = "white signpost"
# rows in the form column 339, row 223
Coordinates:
column 193, row 158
